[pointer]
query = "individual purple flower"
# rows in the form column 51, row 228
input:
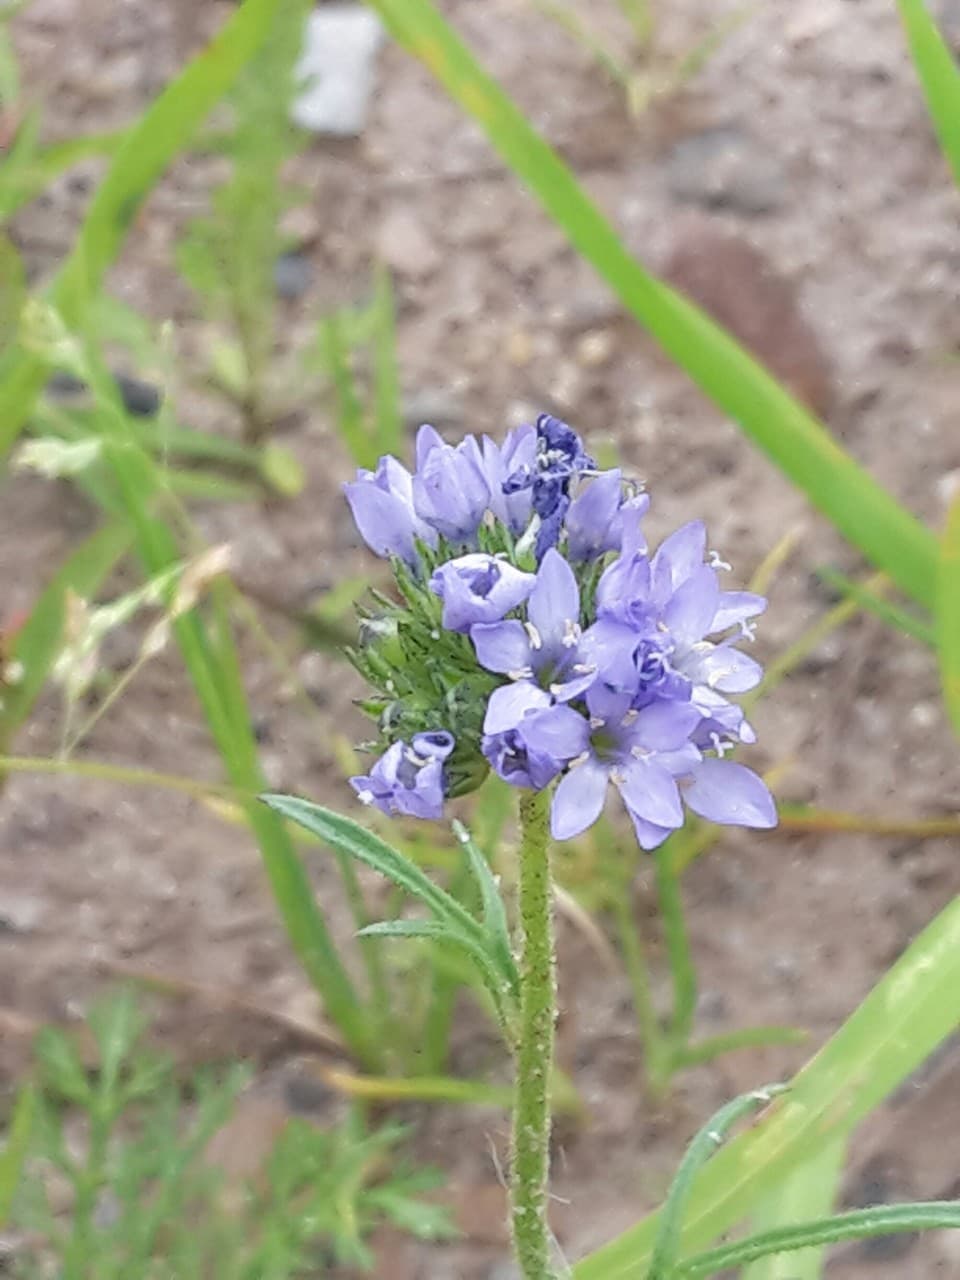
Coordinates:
column 518, row 452
column 450, row 489
column 509, row 710
column 653, row 620
column 546, row 648
column 596, row 517
column 408, row 777
column 560, row 456
column 479, row 588
column 640, row 752
column 382, row 506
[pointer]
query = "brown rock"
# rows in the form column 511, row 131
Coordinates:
column 742, row 290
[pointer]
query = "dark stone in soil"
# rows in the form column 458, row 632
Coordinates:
column 140, row 399
column 724, row 168
column 292, row 275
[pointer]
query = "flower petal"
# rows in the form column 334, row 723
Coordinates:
column 428, row 438
column 727, row 669
column 680, row 554
column 690, row 612
column 555, row 600
column 651, row 793
column 507, row 705
column 384, row 520
column 560, row 732
column 578, row 800
column 735, row 607
column 665, row 726
column 730, row 793
column 501, row 646
column 649, row 835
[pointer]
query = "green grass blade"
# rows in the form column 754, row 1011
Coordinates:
column 701, row 1051
column 893, row 615
column 34, row 176
column 158, row 137
column 799, row 445
column 386, row 408
column 859, row 1224
column 15, row 1151
column 948, row 614
column 938, row 75
column 807, row 1194
column 40, row 638
column 913, row 1008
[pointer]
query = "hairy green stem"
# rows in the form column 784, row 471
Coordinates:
column 534, row 1055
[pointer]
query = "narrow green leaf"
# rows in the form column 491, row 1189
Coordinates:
column 938, row 75
column 60, row 1066
column 357, row 842
column 806, row 1195
column 912, row 1010
column 948, row 614
column 494, row 915
column 15, row 1151
column 36, row 173
column 703, row 1146
column 860, row 1224
column 40, row 638
column 894, row 616
column 350, row 421
column 158, row 137
column 747, row 1038
column 799, row 445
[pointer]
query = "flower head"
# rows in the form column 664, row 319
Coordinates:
column 479, row 588
column 597, row 516
column 408, row 777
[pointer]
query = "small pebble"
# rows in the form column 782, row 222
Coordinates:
column 595, row 348
column 337, row 68
column 140, row 399
column 292, row 275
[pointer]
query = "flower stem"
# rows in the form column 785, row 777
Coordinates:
column 534, row 1054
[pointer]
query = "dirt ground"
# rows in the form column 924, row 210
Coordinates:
column 795, row 184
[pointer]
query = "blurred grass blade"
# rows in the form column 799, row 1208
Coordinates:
column 39, row 640
column 747, row 1038
column 386, row 408
column 948, row 613
column 894, row 616
column 938, row 75
column 351, row 426
column 806, row 1194
column 15, row 1151
column 33, row 176
column 912, row 1010
column 13, row 288
column 800, row 446
column 158, row 137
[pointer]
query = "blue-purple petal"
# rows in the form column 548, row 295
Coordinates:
column 578, row 800
column 730, row 793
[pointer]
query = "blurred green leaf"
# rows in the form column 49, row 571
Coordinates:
column 893, row 615
column 117, row 1025
column 804, row 1195
column 154, row 141
column 911, row 1010
column 948, row 613
column 938, row 75
column 12, row 292
column 14, row 1153
column 61, row 1070
column 799, row 445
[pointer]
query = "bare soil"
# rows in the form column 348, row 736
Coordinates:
column 842, row 271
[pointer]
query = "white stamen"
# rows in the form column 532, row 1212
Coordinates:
column 748, row 630
column 717, row 563
column 582, row 758
column 617, row 778
column 629, row 718
column 571, row 634
column 597, row 722
column 412, row 756
column 720, row 745
column 533, row 635
column 365, row 796
column 521, row 673
column 638, row 752
column 584, row 668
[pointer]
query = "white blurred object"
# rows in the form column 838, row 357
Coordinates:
column 337, row 68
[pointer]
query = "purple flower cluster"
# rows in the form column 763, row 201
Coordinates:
column 599, row 663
